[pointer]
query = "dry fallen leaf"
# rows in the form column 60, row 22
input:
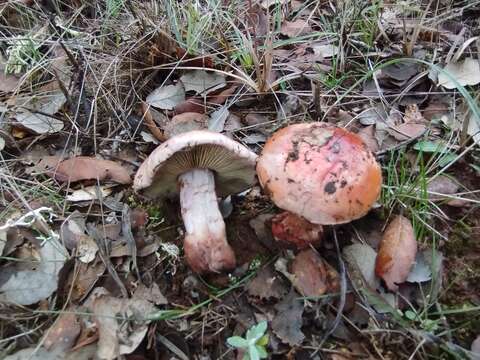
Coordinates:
column 117, row 336
column 89, row 193
column 361, row 257
column 475, row 347
column 295, row 28
column 267, row 3
column 367, row 134
column 26, row 286
column 89, row 168
column 466, row 72
column 218, row 119
column 8, row 82
column 474, row 128
column 324, row 51
column 267, row 284
column 64, row 332
column 407, row 131
column 396, row 253
column 295, row 232
column 185, row 122
column 312, row 276
column 151, row 294
column 287, row 324
column 39, row 116
column 203, row 82
column 442, row 185
column 167, row 97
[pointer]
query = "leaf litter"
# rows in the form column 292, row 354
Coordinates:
column 97, row 111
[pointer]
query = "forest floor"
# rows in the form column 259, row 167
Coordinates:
column 90, row 269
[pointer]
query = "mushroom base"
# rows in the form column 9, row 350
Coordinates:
column 205, row 245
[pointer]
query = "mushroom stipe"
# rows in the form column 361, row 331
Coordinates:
column 200, row 165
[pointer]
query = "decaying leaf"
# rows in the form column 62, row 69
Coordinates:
column 466, row 72
column 8, row 82
column 40, row 353
column 312, row 276
column 440, row 186
column 295, row 28
column 474, row 128
column 84, row 279
column 185, row 122
column 218, row 119
column 421, row 270
column 87, row 248
column 267, row 3
column 475, row 347
column 167, row 97
column 203, row 82
column 89, row 193
column 28, row 285
column 72, row 230
column 64, row 332
column 287, row 324
column 266, row 285
column 89, row 168
column 407, row 131
column 367, row 134
column 151, row 294
column 117, row 336
column 324, row 51
column 397, row 252
column 39, row 116
column 361, row 257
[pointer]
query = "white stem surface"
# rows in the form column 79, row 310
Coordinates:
column 206, row 247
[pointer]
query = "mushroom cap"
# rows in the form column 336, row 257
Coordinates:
column 321, row 172
column 232, row 163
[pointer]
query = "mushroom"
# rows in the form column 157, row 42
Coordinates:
column 323, row 173
column 200, row 165
column 294, row 231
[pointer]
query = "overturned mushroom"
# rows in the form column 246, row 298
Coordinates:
column 200, row 165
column 321, row 172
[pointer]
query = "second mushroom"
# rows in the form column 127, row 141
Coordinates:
column 200, row 166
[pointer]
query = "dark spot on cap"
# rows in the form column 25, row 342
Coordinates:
column 343, row 183
column 330, row 187
column 290, row 180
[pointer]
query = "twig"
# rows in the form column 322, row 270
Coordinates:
column 127, row 233
column 343, row 295
column 102, row 251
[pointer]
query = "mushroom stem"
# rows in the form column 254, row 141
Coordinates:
column 205, row 245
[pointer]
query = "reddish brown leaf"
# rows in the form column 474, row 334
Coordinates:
column 194, row 60
column 223, row 95
column 312, row 275
column 63, row 333
column 193, row 104
column 89, row 168
column 294, row 231
column 397, row 252
column 151, row 125
column 197, row 104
